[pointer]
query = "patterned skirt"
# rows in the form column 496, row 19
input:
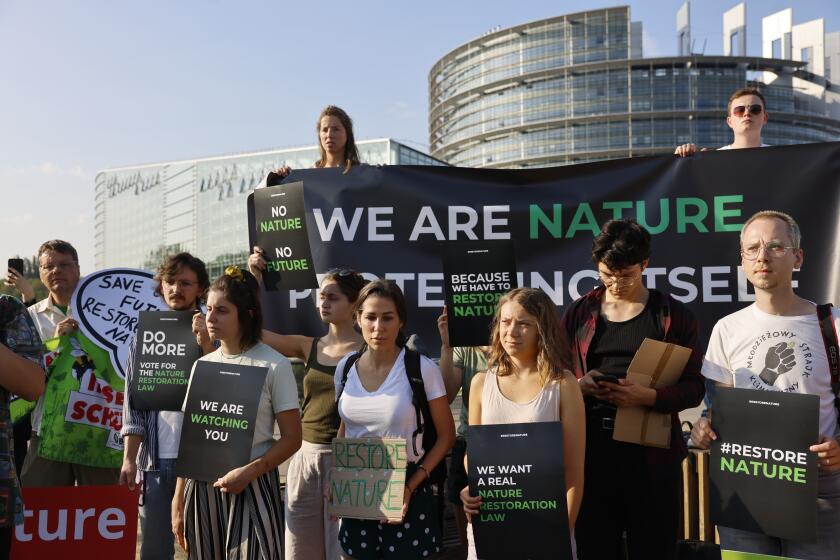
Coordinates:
column 244, row 526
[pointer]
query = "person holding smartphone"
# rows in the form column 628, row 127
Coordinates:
column 628, row 488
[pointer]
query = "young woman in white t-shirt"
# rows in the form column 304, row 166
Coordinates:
column 376, row 401
column 240, row 515
column 529, row 380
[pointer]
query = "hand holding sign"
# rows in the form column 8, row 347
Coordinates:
column 828, row 451
column 235, row 481
column 279, row 228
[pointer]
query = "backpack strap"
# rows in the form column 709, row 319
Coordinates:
column 425, row 424
column 351, row 360
column 829, row 335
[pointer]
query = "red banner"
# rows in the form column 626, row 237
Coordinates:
column 77, row 522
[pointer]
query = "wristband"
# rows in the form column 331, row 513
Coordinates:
column 424, row 470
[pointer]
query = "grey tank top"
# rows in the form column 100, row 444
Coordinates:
column 498, row 409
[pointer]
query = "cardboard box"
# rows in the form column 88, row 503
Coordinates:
column 656, row 364
column 368, row 479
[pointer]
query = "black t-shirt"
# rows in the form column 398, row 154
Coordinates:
column 613, row 347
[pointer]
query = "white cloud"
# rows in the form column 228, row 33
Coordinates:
column 44, row 169
column 16, row 220
column 401, row 110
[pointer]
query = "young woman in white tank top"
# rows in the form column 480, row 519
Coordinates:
column 528, row 380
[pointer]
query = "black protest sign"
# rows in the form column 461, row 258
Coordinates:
column 517, row 469
column 219, row 416
column 475, row 275
column 279, row 227
column 761, row 460
column 165, row 350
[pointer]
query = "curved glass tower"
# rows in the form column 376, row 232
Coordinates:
column 575, row 88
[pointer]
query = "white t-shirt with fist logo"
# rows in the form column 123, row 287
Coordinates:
column 752, row 349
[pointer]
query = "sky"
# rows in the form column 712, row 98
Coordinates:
column 94, row 84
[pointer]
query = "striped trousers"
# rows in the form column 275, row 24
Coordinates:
column 244, row 526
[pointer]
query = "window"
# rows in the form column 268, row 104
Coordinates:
column 776, row 48
column 807, row 56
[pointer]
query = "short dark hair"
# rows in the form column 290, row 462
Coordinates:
column 241, row 289
column 621, row 243
column 349, row 282
column 58, row 246
column 388, row 289
column 740, row 93
column 172, row 264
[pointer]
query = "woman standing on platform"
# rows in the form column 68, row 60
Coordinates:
column 310, row 533
column 529, row 380
column 241, row 514
column 375, row 400
column 336, row 142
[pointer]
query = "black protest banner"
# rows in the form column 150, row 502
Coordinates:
column 517, row 469
column 163, row 357
column 390, row 222
column 367, row 480
column 475, row 275
column 219, row 416
column 761, row 460
column 279, row 227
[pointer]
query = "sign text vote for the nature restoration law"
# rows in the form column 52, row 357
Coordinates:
column 392, row 221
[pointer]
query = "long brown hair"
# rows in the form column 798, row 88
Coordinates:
column 351, row 153
column 554, row 354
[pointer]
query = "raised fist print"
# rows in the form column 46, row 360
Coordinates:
column 779, row 360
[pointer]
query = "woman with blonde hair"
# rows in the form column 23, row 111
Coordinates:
column 529, row 380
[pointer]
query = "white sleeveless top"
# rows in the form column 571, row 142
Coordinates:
column 498, row 409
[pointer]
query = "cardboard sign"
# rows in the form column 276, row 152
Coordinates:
column 760, row 462
column 656, row 364
column 517, row 469
column 219, row 414
column 106, row 305
column 475, row 275
column 165, row 352
column 367, row 480
column 280, row 229
column 77, row 522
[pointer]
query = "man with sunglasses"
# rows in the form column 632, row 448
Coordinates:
column 746, row 115
column 628, row 488
column 740, row 355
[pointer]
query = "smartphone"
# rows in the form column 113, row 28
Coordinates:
column 17, row 264
column 605, row 378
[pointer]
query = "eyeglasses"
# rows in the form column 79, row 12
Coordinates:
column 754, row 110
column 58, row 266
column 773, row 249
column 183, row 284
column 618, row 281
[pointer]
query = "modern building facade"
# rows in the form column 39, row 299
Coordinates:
column 147, row 211
column 575, row 88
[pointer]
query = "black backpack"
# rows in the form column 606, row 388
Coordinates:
column 421, row 408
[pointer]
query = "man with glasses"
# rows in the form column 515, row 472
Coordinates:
column 58, row 265
column 628, row 488
column 796, row 361
column 151, row 439
column 746, row 115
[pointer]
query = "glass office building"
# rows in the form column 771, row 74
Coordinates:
column 147, row 211
column 575, row 88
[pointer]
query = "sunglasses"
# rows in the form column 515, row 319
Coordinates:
column 740, row 110
column 340, row 272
